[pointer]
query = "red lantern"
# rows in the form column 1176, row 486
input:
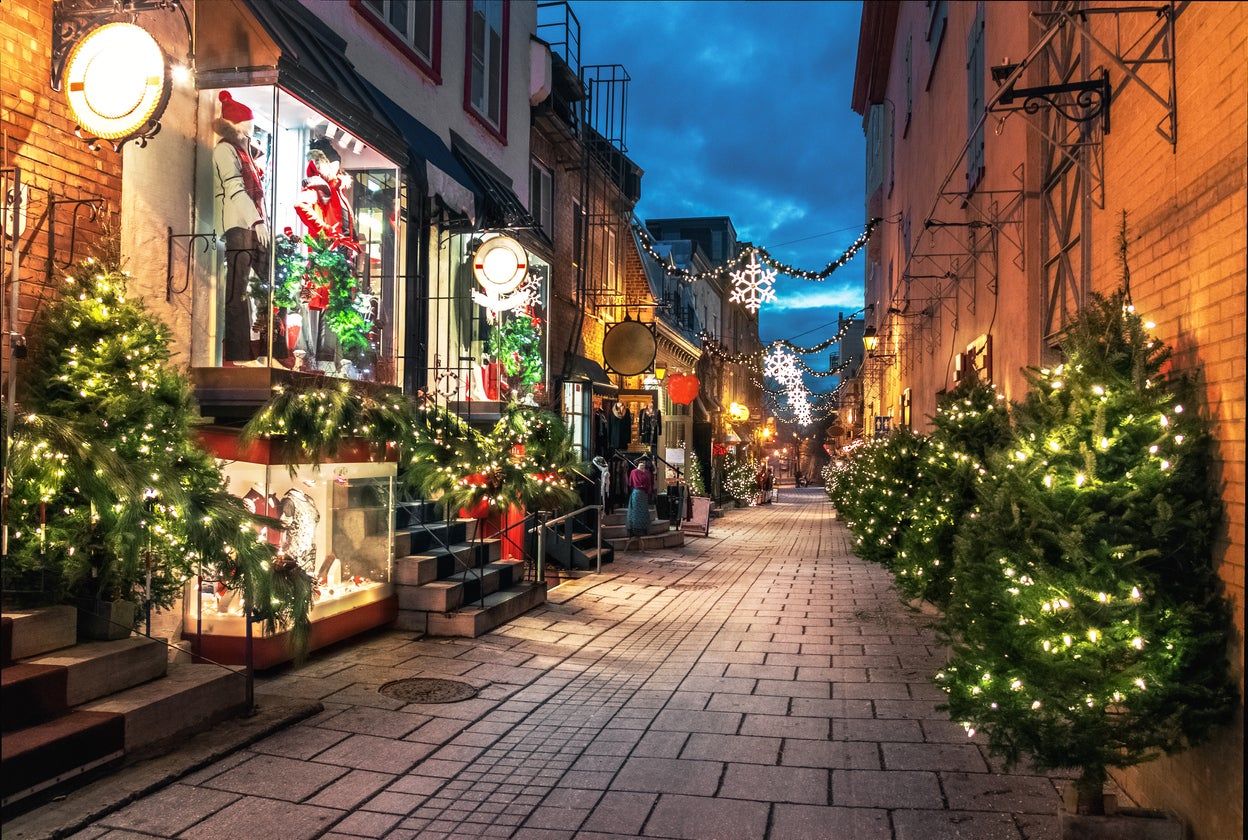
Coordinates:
column 682, row 388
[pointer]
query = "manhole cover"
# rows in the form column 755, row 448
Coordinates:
column 692, row 587
column 421, row 690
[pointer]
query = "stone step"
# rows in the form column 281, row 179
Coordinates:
column 586, row 559
column 672, row 539
column 408, row 513
column 438, row 563
column 621, row 516
column 500, row 608
column 452, row 592
column 32, row 694
column 32, row 632
column 41, row 756
column 97, row 669
column 613, row 532
column 189, row 699
column 418, row 539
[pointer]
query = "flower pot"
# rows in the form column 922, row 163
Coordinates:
column 1116, row 823
column 106, row 620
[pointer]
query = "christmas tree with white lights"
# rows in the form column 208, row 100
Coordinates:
column 1088, row 627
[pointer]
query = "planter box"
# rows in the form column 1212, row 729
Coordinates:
column 1116, row 823
column 106, row 620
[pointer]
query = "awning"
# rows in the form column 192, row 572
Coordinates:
column 441, row 172
column 587, row 370
column 313, row 65
column 501, row 207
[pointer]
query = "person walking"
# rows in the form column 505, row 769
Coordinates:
column 641, row 480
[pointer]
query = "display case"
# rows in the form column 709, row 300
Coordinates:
column 335, row 521
column 303, row 275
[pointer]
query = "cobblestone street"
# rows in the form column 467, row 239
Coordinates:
column 761, row 683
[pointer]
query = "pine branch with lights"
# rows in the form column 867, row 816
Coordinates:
column 875, row 490
column 970, row 423
column 1088, row 629
column 108, row 479
column 694, row 475
column 739, row 478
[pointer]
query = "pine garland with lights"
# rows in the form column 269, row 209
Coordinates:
column 107, row 477
column 970, row 423
column 516, row 343
column 1087, row 625
column 875, row 490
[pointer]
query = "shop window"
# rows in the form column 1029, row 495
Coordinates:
column 576, row 398
column 463, row 363
column 304, row 275
column 334, row 521
column 541, row 197
column 414, row 26
column 485, row 68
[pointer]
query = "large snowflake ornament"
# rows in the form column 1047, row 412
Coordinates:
column 782, row 366
column 753, row 285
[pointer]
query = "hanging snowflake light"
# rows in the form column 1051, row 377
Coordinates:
column 753, row 285
column 782, row 366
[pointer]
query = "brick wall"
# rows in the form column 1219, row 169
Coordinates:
column 38, row 137
column 1186, row 216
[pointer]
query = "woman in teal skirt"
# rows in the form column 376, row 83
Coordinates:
column 641, row 480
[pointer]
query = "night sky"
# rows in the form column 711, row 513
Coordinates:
column 742, row 109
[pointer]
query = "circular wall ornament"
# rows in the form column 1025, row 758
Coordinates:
column 117, row 82
column 629, row 348
column 500, row 265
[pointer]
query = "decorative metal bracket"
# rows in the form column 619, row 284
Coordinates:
column 92, row 207
column 73, row 19
column 205, row 240
column 1080, row 102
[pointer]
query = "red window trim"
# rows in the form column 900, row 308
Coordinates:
column 498, row 132
column 432, row 70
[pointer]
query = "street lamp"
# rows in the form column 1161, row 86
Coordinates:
column 870, row 339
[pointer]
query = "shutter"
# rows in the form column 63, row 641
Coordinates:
column 975, row 98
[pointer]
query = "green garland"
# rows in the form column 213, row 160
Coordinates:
column 693, row 474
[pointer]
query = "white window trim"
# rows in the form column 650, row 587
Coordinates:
column 409, row 37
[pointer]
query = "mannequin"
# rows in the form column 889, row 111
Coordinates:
column 649, row 424
column 239, row 193
column 299, row 517
column 619, row 426
column 325, row 211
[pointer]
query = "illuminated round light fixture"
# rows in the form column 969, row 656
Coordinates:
column 738, row 412
column 500, row 265
column 117, row 82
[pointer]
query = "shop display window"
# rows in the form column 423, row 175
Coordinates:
column 335, row 521
column 304, row 273
column 477, row 355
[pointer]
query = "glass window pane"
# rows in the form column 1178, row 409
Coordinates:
column 422, row 34
column 495, row 82
column 375, row 5
column 478, row 58
column 398, row 15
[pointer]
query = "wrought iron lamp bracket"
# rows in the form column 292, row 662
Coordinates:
column 206, row 242
column 1080, row 102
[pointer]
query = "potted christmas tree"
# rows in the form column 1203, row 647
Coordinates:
column 1088, row 628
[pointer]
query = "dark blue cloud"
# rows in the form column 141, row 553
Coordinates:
column 742, row 109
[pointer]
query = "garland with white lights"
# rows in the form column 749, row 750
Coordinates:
column 751, row 256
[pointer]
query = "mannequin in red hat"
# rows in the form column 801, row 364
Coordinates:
column 325, row 211
column 239, row 191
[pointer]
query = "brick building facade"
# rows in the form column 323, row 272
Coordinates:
column 998, row 224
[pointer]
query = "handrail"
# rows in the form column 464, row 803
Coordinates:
column 550, row 522
column 444, row 545
column 542, row 526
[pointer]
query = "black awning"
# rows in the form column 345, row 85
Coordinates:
column 587, row 370
column 502, row 207
column 423, row 143
column 314, row 66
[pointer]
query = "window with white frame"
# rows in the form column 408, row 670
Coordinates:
column 610, row 255
column 413, row 21
column 541, row 196
column 487, row 47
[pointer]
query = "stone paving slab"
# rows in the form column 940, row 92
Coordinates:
column 759, row 683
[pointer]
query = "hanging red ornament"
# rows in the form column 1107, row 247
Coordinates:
column 476, row 479
column 682, row 388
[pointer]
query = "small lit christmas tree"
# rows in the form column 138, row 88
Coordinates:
column 693, row 475
column 108, row 482
column 875, row 492
column 1088, row 629
column 970, row 423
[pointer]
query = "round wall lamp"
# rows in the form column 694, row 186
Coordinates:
column 117, row 82
column 500, row 265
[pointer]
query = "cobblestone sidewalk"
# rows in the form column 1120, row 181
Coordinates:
column 760, row 683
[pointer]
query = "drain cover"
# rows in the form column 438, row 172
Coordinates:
column 421, row 690
column 692, row 587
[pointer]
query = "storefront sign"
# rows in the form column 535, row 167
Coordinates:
column 501, row 266
column 117, row 82
column 629, row 347
column 738, row 412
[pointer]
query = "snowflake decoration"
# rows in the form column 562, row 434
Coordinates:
column 782, row 366
column 753, row 285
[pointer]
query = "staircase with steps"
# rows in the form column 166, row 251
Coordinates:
column 451, row 584
column 71, row 708
column 572, row 545
column 615, row 533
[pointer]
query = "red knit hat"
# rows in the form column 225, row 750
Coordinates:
column 232, row 110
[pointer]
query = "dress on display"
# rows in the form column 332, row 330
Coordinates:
column 600, row 431
column 619, row 427
column 649, row 425
column 642, row 484
column 299, row 518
